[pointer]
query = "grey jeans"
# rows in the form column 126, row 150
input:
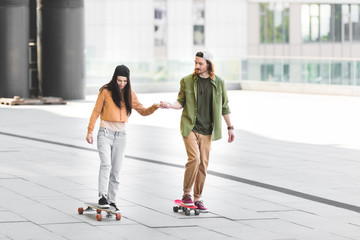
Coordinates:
column 111, row 147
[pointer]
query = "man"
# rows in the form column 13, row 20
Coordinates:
column 204, row 100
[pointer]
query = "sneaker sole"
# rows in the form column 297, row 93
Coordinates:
column 188, row 204
column 204, row 211
column 104, row 206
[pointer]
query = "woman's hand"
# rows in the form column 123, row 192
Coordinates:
column 165, row 105
column 89, row 138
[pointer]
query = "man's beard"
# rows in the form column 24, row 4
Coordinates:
column 199, row 71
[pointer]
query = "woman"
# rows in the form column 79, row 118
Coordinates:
column 114, row 104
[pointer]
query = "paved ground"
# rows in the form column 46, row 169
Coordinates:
column 292, row 173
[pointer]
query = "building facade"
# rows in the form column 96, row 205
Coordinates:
column 158, row 39
column 314, row 45
column 289, row 45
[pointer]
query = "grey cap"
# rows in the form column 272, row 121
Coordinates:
column 207, row 55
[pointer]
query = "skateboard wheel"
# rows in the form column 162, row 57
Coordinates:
column 175, row 209
column 118, row 216
column 98, row 211
column 197, row 212
column 99, row 217
column 187, row 212
column 80, row 210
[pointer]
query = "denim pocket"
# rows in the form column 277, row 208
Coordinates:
column 101, row 134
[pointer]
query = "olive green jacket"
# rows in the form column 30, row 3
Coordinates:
column 187, row 97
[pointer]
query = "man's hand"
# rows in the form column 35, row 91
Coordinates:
column 89, row 138
column 231, row 136
column 165, row 105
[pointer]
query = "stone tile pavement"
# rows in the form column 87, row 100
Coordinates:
column 292, row 173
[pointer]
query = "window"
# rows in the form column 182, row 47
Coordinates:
column 330, row 22
column 274, row 22
column 357, row 73
column 336, row 73
column 310, row 19
column 199, row 22
column 277, row 72
column 346, row 21
column 160, row 23
column 355, row 21
column 267, row 72
column 337, row 22
column 325, row 23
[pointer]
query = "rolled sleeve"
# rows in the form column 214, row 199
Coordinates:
column 225, row 100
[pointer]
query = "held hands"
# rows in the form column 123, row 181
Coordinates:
column 89, row 138
column 165, row 105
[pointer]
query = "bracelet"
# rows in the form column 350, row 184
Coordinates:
column 230, row 128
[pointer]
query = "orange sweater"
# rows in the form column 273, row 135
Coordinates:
column 108, row 110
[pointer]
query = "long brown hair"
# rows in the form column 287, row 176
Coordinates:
column 211, row 67
column 113, row 87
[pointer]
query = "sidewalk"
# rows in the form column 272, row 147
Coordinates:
column 292, row 172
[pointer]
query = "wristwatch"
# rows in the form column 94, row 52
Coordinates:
column 230, row 128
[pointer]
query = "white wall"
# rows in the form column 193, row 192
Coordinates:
column 180, row 30
column 226, row 28
column 120, row 30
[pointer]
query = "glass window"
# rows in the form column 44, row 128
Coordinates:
column 310, row 20
column 357, row 80
column 313, row 72
column 314, row 22
column 305, row 22
column 324, row 73
column 337, row 22
column 270, row 23
column 199, row 22
column 277, row 72
column 267, row 72
column 281, row 22
column 346, row 21
column 263, row 6
column 346, row 73
column 199, row 35
column 286, row 71
column 285, row 26
column 336, row 73
column 160, row 22
column 325, row 22
column 355, row 22
column 274, row 22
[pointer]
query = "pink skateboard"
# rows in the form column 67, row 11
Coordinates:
column 184, row 208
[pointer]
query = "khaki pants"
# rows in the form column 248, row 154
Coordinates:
column 198, row 151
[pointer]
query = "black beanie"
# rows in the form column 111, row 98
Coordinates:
column 122, row 70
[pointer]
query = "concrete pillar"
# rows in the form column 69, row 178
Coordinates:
column 14, row 38
column 60, row 39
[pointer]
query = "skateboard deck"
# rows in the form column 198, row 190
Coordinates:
column 94, row 208
column 184, row 208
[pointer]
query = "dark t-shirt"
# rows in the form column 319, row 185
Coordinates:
column 204, row 115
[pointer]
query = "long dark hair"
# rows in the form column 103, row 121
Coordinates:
column 113, row 87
